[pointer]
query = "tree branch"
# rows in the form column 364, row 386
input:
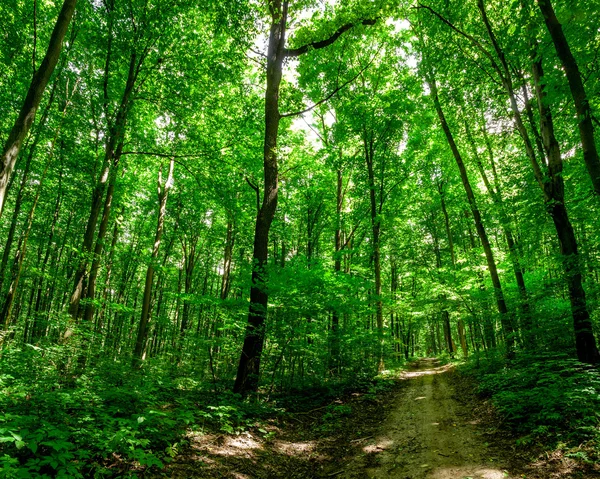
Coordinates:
column 255, row 188
column 162, row 155
column 328, row 97
column 351, row 235
column 471, row 38
column 296, row 52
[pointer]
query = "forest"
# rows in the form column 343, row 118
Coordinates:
column 229, row 217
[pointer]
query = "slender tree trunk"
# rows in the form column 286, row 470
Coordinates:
column 112, row 150
column 163, row 193
column 249, row 365
column 37, row 329
column 337, row 267
column 463, row 338
column 15, row 217
column 189, row 252
column 22, row 249
column 33, row 98
column 91, row 287
column 585, row 342
column 496, row 196
column 582, row 105
column 228, row 258
column 498, row 293
column 376, row 254
column 448, row 333
column 447, row 224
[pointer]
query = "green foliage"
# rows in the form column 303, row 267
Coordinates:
column 54, row 426
column 368, row 160
column 334, row 414
column 106, row 423
column 547, row 396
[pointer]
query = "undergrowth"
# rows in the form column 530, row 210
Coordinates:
column 114, row 422
column 551, row 399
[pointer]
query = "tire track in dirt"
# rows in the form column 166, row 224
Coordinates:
column 428, row 434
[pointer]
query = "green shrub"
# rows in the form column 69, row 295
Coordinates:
column 544, row 396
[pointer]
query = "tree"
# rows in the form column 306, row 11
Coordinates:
column 40, row 79
column 249, row 364
column 582, row 104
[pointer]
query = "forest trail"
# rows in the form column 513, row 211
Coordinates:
column 428, row 434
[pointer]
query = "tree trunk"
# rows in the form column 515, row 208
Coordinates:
column 91, row 288
column 448, row 333
column 33, row 98
column 447, row 224
column 249, row 366
column 337, row 267
column 228, row 258
column 22, row 248
column 582, row 105
column 498, row 293
column 163, row 193
column 496, row 195
column 37, row 328
column 111, row 157
column 585, row 342
column 376, row 230
column 463, row 338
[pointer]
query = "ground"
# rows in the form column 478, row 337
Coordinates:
column 429, row 434
column 430, row 426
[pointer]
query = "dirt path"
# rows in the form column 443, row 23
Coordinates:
column 428, row 434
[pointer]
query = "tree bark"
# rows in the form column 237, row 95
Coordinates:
column 337, row 267
column 368, row 144
column 33, row 98
column 228, row 257
column 582, row 105
column 249, row 365
column 163, row 193
column 585, row 342
column 498, row 293
column 91, row 288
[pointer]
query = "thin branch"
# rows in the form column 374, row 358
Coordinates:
column 315, row 131
column 162, row 155
column 257, row 61
column 469, row 37
column 328, row 97
column 351, row 235
column 257, row 52
column 296, row 52
column 256, row 189
column 477, row 65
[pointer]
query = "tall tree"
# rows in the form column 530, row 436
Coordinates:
column 505, row 318
column 163, row 189
column 13, row 143
column 580, row 98
column 249, row 364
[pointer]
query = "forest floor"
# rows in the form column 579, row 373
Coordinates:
column 429, row 426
